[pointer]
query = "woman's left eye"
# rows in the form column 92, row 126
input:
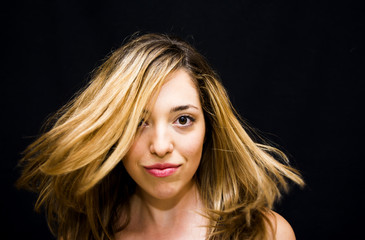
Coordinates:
column 184, row 120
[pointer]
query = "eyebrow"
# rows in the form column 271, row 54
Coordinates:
column 182, row 108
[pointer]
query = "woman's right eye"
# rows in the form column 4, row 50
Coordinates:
column 142, row 123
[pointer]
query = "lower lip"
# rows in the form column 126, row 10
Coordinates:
column 162, row 172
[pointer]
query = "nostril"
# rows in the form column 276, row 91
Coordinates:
column 161, row 149
column 160, row 139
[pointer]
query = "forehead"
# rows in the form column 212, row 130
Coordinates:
column 178, row 89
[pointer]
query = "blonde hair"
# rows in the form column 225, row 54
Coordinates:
column 76, row 165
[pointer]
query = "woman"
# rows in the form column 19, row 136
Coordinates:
column 153, row 149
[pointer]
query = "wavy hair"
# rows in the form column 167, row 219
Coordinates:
column 76, row 165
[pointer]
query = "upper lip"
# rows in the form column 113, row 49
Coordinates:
column 162, row 166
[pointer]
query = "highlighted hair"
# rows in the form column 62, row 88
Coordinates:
column 76, row 165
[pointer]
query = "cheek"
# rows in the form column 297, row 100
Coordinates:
column 134, row 155
column 193, row 146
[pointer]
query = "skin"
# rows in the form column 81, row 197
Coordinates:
column 168, row 207
column 283, row 230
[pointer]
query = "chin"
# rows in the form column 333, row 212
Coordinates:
column 164, row 192
column 167, row 191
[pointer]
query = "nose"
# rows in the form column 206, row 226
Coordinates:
column 161, row 141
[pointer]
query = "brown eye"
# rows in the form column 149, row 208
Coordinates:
column 182, row 120
column 142, row 123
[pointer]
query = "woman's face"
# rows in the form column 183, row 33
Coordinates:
column 168, row 146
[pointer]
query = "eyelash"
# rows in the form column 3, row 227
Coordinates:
column 189, row 118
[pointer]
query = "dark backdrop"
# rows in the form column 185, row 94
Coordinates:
column 294, row 70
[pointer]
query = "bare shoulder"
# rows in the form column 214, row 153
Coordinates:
column 283, row 230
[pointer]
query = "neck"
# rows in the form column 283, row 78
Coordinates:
column 156, row 216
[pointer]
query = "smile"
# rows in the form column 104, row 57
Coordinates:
column 162, row 169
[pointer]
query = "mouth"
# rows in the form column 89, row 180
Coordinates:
column 162, row 169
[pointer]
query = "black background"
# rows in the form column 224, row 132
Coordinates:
column 294, row 70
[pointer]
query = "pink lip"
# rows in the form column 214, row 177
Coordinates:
column 162, row 169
